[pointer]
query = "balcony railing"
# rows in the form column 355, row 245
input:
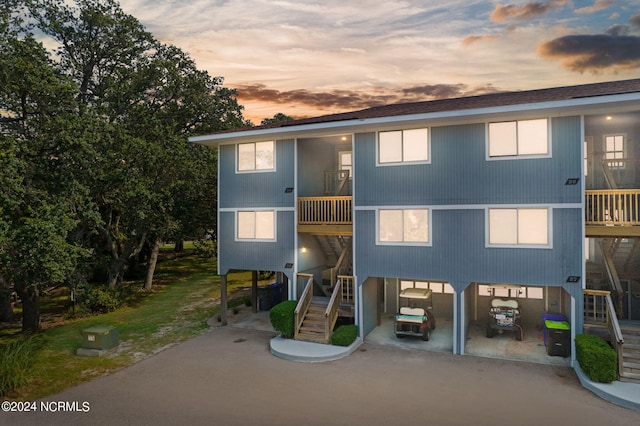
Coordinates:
column 324, row 210
column 612, row 207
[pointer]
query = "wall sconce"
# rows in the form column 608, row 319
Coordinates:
column 573, row 279
column 304, row 250
column 288, row 265
column 288, row 190
column 572, row 181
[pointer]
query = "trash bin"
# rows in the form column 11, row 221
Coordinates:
column 550, row 316
column 559, row 338
column 269, row 296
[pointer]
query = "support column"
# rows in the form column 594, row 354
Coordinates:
column 223, row 299
column 254, row 291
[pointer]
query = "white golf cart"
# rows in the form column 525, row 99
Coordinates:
column 504, row 312
column 415, row 317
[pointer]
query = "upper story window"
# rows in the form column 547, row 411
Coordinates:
column 256, row 225
column 519, row 227
column 403, row 146
column 408, row 226
column 256, row 156
column 519, row 138
column 346, row 162
column 614, row 149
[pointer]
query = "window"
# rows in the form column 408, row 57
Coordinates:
column 345, row 160
column 436, row 287
column 523, row 226
column 256, row 156
column 519, row 138
column 256, row 225
column 403, row 226
column 614, row 149
column 403, row 146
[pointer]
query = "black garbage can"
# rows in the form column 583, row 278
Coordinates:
column 269, row 296
column 558, row 338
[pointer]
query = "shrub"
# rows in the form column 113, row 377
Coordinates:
column 282, row 317
column 101, row 299
column 597, row 359
column 16, row 362
column 344, row 335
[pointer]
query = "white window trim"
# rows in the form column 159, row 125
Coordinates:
column 403, row 163
column 549, row 244
column 237, row 155
column 256, row 240
column 429, row 243
column 624, row 149
column 488, row 157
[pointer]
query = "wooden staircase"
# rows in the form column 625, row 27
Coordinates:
column 630, row 352
column 313, row 325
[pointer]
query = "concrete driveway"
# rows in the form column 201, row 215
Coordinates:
column 229, row 377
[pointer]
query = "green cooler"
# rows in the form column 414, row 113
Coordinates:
column 558, row 338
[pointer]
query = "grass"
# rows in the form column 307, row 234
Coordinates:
column 177, row 309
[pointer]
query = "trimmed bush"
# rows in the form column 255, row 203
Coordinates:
column 282, row 317
column 596, row 358
column 344, row 335
column 17, row 359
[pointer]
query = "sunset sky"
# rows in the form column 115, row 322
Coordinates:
column 308, row 58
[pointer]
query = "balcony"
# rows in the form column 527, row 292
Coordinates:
column 325, row 215
column 612, row 213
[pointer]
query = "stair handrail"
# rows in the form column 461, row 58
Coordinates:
column 613, row 325
column 335, row 271
column 347, row 288
column 616, row 333
column 608, row 176
column 612, row 273
column 331, row 313
column 303, row 306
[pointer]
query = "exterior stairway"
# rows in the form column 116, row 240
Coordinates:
column 313, row 325
column 631, row 351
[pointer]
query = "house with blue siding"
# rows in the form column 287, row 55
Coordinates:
column 532, row 195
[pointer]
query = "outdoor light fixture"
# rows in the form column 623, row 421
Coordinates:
column 288, row 190
column 573, row 279
column 288, row 265
column 572, row 181
column 304, row 249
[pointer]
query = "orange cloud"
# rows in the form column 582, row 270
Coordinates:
column 598, row 5
column 526, row 11
column 350, row 100
column 473, row 38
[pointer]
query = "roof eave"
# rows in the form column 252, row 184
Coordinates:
column 567, row 106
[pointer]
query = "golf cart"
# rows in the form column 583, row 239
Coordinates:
column 504, row 313
column 416, row 314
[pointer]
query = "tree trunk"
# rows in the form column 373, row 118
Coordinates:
column 30, row 299
column 6, row 309
column 179, row 248
column 151, row 266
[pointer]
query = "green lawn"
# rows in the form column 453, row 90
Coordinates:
column 176, row 310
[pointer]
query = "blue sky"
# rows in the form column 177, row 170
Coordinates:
column 307, row 58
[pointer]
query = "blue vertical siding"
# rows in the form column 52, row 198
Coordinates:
column 458, row 253
column 255, row 255
column 262, row 189
column 460, row 174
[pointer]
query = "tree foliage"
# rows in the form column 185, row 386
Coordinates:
column 93, row 133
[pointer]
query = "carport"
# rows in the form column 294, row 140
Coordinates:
column 389, row 289
column 534, row 302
